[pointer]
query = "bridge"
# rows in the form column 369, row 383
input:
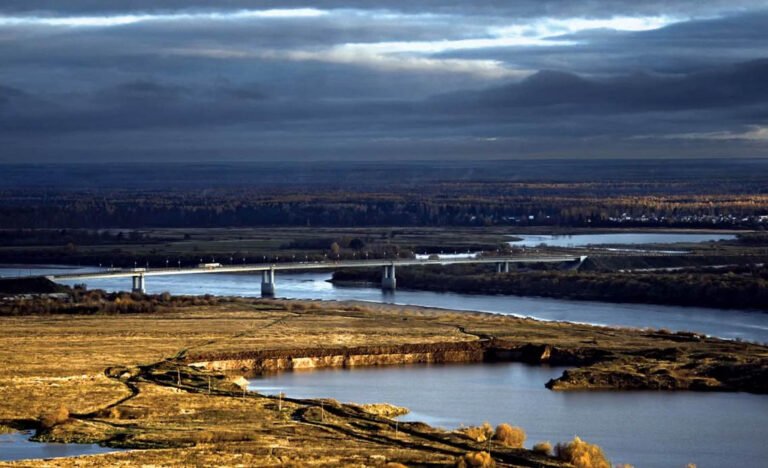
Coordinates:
column 388, row 279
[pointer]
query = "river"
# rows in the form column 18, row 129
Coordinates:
column 731, row 324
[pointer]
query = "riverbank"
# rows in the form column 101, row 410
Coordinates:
column 735, row 287
column 152, row 380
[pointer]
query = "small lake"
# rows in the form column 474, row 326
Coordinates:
column 619, row 238
column 646, row 429
column 17, row 446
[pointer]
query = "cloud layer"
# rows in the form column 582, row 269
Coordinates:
column 237, row 80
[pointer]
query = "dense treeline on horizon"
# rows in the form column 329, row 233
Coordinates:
column 570, row 193
column 457, row 205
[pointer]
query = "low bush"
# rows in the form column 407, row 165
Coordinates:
column 476, row 459
column 543, row 448
column 582, row 454
column 510, row 436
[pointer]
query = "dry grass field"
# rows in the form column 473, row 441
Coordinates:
column 120, row 384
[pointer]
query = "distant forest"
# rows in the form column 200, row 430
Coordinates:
column 611, row 194
column 251, row 208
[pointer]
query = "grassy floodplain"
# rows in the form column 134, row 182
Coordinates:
column 125, row 379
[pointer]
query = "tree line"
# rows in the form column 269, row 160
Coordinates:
column 443, row 207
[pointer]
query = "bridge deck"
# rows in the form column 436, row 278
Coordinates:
column 328, row 265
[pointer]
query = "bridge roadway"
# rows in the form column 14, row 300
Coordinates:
column 268, row 269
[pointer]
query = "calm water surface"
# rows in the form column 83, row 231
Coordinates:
column 17, row 446
column 646, row 429
column 624, row 238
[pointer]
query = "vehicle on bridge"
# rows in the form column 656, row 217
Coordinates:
column 209, row 266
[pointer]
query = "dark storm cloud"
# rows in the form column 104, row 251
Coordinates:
column 512, row 110
column 727, row 87
column 199, row 79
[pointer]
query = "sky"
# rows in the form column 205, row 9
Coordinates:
column 233, row 80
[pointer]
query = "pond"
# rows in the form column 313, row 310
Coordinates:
column 17, row 446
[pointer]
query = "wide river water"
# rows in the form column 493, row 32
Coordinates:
column 732, row 324
column 647, row 429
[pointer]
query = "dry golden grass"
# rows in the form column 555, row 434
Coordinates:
column 59, row 361
column 54, row 361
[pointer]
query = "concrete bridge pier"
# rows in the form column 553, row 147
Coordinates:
column 502, row 267
column 138, row 284
column 268, row 283
column 388, row 280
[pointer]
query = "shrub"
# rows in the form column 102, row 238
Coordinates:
column 476, row 459
column 510, row 436
column 54, row 418
column 582, row 454
column 543, row 448
column 478, row 433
